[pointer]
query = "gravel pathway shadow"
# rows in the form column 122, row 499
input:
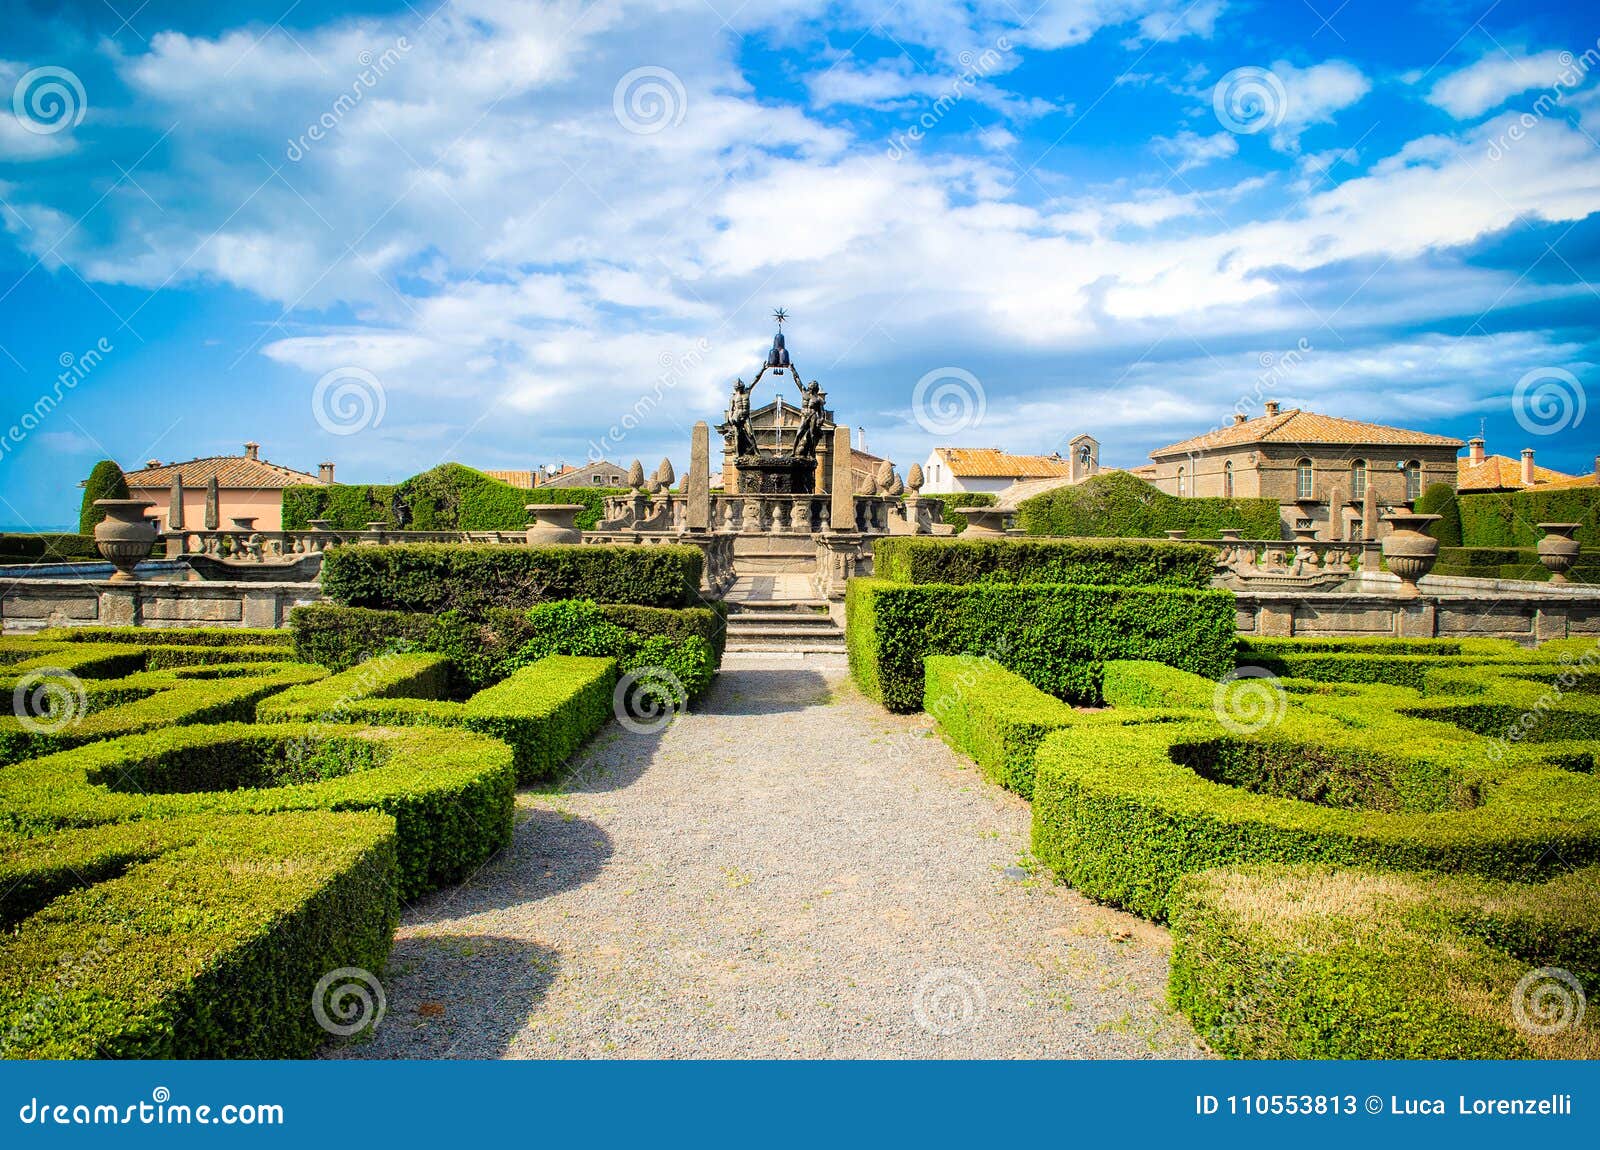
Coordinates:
column 788, row 871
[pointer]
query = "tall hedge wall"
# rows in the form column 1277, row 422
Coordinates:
column 1511, row 519
column 1057, row 636
column 1099, row 562
column 450, row 497
column 442, row 577
column 46, row 547
column 1117, row 504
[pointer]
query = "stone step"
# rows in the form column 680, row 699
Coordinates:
column 784, row 631
column 814, row 618
column 791, row 646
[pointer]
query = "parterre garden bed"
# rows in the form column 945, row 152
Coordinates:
column 1365, row 848
column 198, row 826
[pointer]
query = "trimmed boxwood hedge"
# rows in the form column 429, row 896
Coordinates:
column 1097, row 562
column 482, row 652
column 1310, row 962
column 1054, row 635
column 1511, row 518
column 400, row 675
column 992, row 715
column 435, row 577
column 451, row 792
column 155, row 700
column 188, row 938
column 1118, row 504
column 545, row 711
column 1123, row 810
column 47, row 547
column 167, row 636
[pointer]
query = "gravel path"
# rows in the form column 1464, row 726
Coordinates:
column 787, row 872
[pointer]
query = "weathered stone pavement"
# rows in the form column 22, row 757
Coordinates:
column 787, row 872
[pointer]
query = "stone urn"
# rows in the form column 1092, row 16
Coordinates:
column 983, row 522
column 320, row 524
column 244, row 522
column 1230, row 534
column 1177, row 535
column 1409, row 550
column 553, row 523
column 125, row 536
column 1558, row 550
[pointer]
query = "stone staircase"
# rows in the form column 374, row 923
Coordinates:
column 781, row 613
column 794, row 625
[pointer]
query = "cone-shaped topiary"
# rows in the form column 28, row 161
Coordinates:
column 1440, row 500
column 106, row 481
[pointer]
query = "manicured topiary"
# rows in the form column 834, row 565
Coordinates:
column 992, row 715
column 1055, row 636
column 451, row 792
column 1099, row 562
column 1440, row 500
column 1310, row 962
column 474, row 579
column 544, row 711
column 1123, row 809
column 105, row 481
column 577, row 627
column 189, row 938
column 1512, row 518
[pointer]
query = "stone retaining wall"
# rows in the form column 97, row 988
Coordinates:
column 34, row 604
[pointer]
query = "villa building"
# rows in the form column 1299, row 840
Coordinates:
column 952, row 469
column 248, row 488
column 1333, row 472
column 1478, row 472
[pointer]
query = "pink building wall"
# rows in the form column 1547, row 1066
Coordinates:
column 265, row 504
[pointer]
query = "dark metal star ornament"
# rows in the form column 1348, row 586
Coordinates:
column 780, row 315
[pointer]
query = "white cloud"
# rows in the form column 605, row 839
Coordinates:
column 1314, row 94
column 1194, row 150
column 1494, row 79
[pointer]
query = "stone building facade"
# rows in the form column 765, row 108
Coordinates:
column 1334, row 472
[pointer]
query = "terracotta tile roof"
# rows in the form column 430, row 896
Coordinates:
column 230, row 470
column 992, row 463
column 1501, row 472
column 1296, row 426
column 1590, row 480
column 515, row 478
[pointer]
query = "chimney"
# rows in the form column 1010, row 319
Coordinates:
column 1272, row 407
column 861, row 434
column 325, row 472
column 1239, row 417
column 252, row 450
column 1475, row 450
column 152, row 463
column 1527, row 467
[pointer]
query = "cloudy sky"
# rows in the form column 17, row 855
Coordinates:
column 391, row 234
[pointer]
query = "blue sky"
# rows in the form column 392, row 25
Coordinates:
column 390, row 235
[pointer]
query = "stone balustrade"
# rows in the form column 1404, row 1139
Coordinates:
column 757, row 514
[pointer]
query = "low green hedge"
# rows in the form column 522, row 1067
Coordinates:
column 1085, row 562
column 189, row 938
column 1056, row 636
column 473, row 579
column 47, row 547
column 1253, row 648
column 451, row 792
column 1141, row 683
column 991, row 715
column 544, row 711
column 402, row 675
column 1123, row 810
column 167, row 636
column 1308, row 962
column 149, row 701
column 484, row 651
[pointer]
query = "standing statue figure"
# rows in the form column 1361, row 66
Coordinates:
column 812, row 402
column 738, row 431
